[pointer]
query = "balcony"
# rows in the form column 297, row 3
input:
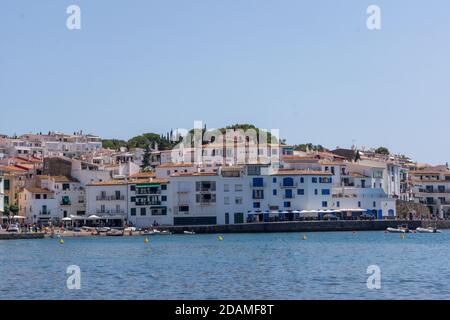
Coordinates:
column 257, row 185
column 434, row 190
column 292, row 185
column 112, row 211
column 65, row 203
column 44, row 212
column 110, row 198
column 148, row 203
column 428, row 203
column 147, row 191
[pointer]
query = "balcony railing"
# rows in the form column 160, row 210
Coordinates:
column 148, row 203
column 44, row 212
column 434, row 190
column 111, row 198
column 112, row 211
column 257, row 185
column 292, row 185
column 156, row 191
column 65, row 203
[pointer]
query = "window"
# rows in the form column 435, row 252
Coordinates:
column 163, row 198
column 324, row 204
column 314, row 179
column 315, row 191
column 132, row 187
column 258, row 194
column 258, row 182
column 133, row 199
column 274, row 192
column 164, row 187
column 143, row 212
column 133, row 212
column 226, row 187
column 226, row 200
column 184, row 209
column 238, row 187
column 302, row 180
column 359, row 204
column 66, row 186
column 325, row 192
column 287, row 204
column 338, row 204
column 238, row 200
column 300, row 192
column 324, row 180
column 288, row 182
column 374, row 204
column 274, row 180
column 288, row 194
column 38, row 196
column 256, row 205
column 6, row 184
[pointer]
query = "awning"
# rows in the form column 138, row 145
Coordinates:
column 66, row 219
column 93, row 217
column 77, row 217
column 353, row 210
column 19, row 217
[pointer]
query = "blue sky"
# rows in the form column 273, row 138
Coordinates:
column 310, row 68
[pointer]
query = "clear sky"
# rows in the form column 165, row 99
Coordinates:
column 310, row 68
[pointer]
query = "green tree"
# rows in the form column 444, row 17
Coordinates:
column 382, row 150
column 113, row 144
column 13, row 209
column 146, row 159
column 357, row 156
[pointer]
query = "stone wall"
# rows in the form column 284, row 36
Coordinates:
column 404, row 208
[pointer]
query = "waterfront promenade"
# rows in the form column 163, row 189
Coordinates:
column 269, row 227
column 311, row 226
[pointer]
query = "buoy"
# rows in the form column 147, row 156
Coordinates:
column 61, row 241
column 305, row 237
column 146, row 240
column 220, row 238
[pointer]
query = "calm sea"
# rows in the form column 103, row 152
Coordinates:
column 242, row 266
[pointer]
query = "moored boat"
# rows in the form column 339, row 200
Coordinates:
column 428, row 230
column 188, row 232
column 399, row 229
column 114, row 233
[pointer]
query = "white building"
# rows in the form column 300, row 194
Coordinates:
column 109, row 201
column 235, row 193
column 2, row 197
column 432, row 188
column 38, row 205
column 140, row 202
column 54, row 198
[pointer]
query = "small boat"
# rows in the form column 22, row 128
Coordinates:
column 149, row 233
column 103, row 229
column 188, row 232
column 165, row 232
column 428, row 230
column 114, row 233
column 399, row 229
column 132, row 229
